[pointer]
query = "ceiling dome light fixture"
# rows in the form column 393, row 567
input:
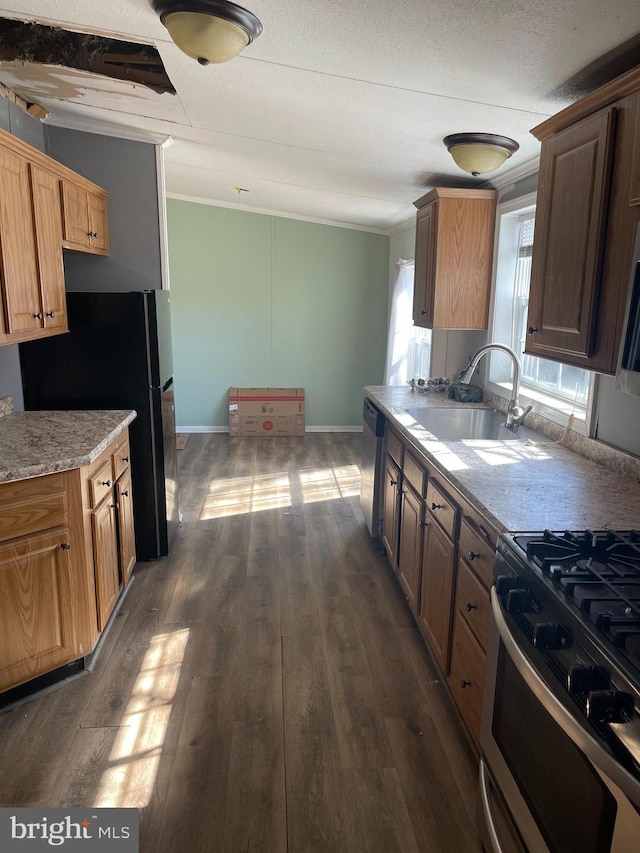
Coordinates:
column 208, row 30
column 480, row 153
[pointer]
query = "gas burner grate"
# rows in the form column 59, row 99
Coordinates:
column 603, row 553
column 599, row 572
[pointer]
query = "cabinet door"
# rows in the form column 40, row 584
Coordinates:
column 105, row 555
column 36, row 601
column 436, row 597
column 410, row 548
column 75, row 215
column 424, row 271
column 19, row 268
column 466, row 678
column 573, row 192
column 391, row 509
column 126, row 537
column 48, row 223
column 98, row 223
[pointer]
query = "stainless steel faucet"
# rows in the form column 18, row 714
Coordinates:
column 515, row 413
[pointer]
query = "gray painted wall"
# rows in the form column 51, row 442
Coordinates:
column 16, row 121
column 128, row 171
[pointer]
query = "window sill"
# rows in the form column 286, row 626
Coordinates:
column 552, row 408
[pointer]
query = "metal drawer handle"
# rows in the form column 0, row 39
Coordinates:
column 473, row 555
column 105, row 482
column 393, row 482
column 424, row 524
column 51, row 314
column 464, row 683
column 125, row 492
column 37, row 316
column 125, row 458
column 437, row 506
column 66, row 546
column 469, row 607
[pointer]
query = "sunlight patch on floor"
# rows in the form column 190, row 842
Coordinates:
column 328, row 484
column 238, row 495
column 135, row 755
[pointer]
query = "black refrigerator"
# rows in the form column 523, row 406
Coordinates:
column 117, row 355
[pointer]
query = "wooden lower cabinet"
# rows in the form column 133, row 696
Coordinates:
column 37, row 623
column 391, row 509
column 66, row 550
column 438, row 578
column 443, row 551
column 410, row 548
column 466, row 674
column 126, row 532
column 105, row 556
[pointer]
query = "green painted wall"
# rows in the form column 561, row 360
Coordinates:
column 266, row 301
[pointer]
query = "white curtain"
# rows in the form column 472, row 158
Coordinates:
column 400, row 326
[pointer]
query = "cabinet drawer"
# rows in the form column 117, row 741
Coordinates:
column 472, row 600
column 121, row 456
column 27, row 511
column 414, row 472
column 478, row 549
column 101, row 483
column 466, row 676
column 395, row 447
column 442, row 508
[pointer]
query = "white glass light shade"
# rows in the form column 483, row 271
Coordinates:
column 204, row 37
column 479, row 153
column 478, row 159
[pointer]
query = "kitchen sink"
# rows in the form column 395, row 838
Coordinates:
column 455, row 424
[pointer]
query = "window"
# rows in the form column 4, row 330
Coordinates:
column 555, row 390
column 408, row 346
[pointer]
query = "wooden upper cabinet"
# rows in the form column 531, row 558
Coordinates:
column 634, row 181
column 586, row 220
column 573, row 195
column 33, row 233
column 19, row 266
column 85, row 224
column 454, row 250
column 48, row 227
column 424, row 271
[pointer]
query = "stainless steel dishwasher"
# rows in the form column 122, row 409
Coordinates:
column 371, row 469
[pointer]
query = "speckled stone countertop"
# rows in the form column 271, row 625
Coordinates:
column 529, row 484
column 37, row 443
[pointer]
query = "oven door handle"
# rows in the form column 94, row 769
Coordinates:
column 486, row 808
column 599, row 757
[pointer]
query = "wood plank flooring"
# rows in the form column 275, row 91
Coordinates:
column 264, row 688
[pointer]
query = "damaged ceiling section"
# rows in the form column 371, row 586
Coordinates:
column 139, row 64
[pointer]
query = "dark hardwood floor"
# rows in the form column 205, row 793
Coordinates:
column 264, row 688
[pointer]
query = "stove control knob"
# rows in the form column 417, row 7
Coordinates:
column 584, row 679
column 517, row 600
column 609, row 706
column 547, row 635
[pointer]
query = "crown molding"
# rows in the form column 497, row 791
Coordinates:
column 336, row 223
column 85, row 125
column 524, row 170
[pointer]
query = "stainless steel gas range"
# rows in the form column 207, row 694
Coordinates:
column 560, row 732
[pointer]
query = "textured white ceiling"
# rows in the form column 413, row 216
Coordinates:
column 338, row 110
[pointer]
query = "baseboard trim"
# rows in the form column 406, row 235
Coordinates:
column 210, row 429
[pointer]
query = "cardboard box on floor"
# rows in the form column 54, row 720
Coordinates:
column 266, row 411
